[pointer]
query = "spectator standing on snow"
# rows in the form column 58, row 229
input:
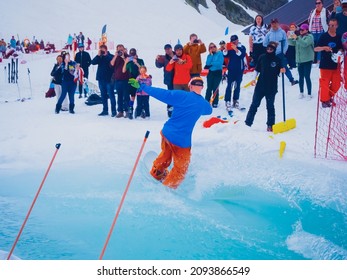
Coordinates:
column 304, row 47
column 318, row 23
column 83, row 58
column 104, row 78
column 69, row 42
column 121, row 81
column 235, row 52
column 180, row 64
column 142, row 102
column 256, row 38
column 68, row 84
column 277, row 34
column 13, row 42
column 214, row 64
column 268, row 68
column 342, row 19
column 337, row 8
column 161, row 61
column 2, row 47
column 57, row 75
column 290, row 54
column 132, row 65
column 194, row 48
column 89, row 42
column 80, row 38
column 329, row 44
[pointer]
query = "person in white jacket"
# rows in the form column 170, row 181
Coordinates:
column 318, row 23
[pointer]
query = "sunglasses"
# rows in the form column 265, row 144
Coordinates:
column 318, row 3
column 213, row 47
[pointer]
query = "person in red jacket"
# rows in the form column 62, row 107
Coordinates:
column 181, row 64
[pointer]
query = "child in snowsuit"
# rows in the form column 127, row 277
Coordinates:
column 142, row 108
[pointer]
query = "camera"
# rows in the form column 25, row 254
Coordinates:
column 196, row 41
column 131, row 58
column 102, row 52
column 120, row 53
column 175, row 58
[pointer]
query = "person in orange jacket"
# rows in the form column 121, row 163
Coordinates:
column 181, row 64
column 194, row 48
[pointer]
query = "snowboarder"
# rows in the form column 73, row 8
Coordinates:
column 177, row 131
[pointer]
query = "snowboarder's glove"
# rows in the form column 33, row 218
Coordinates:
column 134, row 83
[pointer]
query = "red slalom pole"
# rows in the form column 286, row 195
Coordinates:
column 123, row 197
column 57, row 146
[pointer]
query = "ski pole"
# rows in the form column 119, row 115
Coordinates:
column 57, row 146
column 16, row 70
column 123, row 197
column 31, row 91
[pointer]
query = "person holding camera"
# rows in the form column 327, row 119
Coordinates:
column 104, row 78
column 121, row 81
column 194, row 48
column 132, row 65
column 68, row 86
column 214, row 63
column 160, row 62
column 235, row 52
column 180, row 64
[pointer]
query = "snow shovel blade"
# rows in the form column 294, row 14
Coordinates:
column 284, row 126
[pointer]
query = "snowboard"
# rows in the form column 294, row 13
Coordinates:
column 147, row 163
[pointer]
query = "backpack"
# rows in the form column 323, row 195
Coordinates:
column 93, row 99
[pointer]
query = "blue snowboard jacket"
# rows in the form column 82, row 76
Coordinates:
column 188, row 107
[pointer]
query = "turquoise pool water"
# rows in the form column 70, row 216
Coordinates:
column 74, row 212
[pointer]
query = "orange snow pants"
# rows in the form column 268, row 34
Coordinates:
column 181, row 159
column 329, row 83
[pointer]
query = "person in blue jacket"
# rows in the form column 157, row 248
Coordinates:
column 177, row 131
column 214, row 64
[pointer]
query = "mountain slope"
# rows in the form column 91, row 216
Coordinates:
column 237, row 10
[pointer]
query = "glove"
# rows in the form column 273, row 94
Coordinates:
column 134, row 83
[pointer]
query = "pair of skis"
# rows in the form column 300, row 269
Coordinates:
column 13, row 71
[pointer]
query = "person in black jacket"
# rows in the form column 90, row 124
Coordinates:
column 160, row 62
column 268, row 67
column 104, row 78
column 83, row 58
column 57, row 75
column 68, row 86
